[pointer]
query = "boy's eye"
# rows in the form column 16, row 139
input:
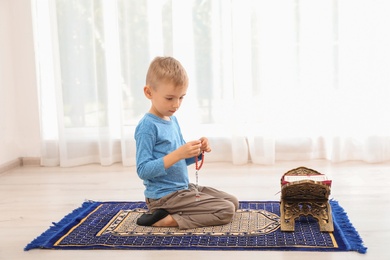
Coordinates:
column 169, row 98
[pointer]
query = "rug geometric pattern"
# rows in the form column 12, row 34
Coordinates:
column 245, row 222
column 108, row 225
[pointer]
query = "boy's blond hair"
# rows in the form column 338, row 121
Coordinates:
column 166, row 70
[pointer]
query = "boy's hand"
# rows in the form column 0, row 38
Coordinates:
column 190, row 149
column 205, row 146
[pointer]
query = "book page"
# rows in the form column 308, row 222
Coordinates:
column 292, row 178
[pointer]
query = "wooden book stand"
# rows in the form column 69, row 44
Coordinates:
column 305, row 192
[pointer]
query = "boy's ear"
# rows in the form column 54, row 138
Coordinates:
column 148, row 92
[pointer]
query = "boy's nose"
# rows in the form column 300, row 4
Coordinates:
column 176, row 104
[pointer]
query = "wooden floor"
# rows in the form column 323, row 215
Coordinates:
column 31, row 198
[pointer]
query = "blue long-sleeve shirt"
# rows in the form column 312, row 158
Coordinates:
column 156, row 138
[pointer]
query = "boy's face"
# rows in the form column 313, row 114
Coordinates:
column 166, row 99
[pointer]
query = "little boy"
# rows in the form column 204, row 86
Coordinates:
column 162, row 158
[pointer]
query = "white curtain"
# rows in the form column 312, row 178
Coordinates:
column 269, row 80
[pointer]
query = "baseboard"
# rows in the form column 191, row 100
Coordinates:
column 31, row 161
column 22, row 161
column 10, row 165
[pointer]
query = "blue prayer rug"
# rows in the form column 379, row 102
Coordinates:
column 256, row 226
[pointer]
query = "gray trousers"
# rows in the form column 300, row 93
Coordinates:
column 214, row 208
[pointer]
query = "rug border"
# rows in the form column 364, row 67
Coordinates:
column 350, row 236
column 351, row 240
column 47, row 239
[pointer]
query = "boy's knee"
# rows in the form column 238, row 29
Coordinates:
column 227, row 214
column 235, row 203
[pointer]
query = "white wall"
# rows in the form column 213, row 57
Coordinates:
column 19, row 118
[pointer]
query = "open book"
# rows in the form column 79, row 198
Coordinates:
column 320, row 178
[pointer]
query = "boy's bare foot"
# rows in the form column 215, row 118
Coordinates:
column 168, row 221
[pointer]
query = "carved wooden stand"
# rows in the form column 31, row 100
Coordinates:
column 304, row 198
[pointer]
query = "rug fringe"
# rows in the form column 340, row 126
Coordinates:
column 350, row 235
column 58, row 229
